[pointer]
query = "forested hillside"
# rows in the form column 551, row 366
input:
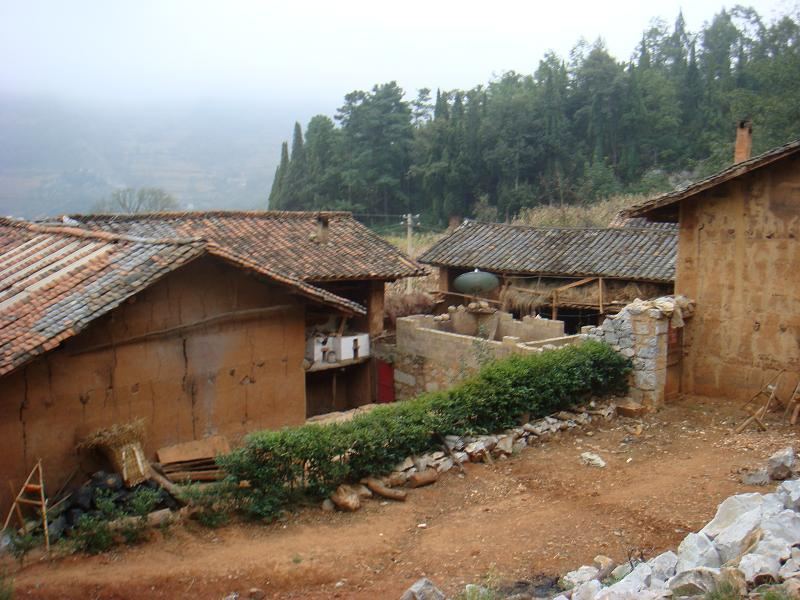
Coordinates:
column 579, row 128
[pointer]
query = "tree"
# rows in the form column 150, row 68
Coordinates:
column 276, row 196
column 131, row 201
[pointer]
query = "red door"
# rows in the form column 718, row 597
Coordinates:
column 385, row 382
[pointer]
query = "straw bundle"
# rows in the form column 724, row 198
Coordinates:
column 122, row 444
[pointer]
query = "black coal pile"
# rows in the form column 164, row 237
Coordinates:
column 95, row 496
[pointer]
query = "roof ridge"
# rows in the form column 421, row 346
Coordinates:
column 79, row 232
column 268, row 214
column 578, row 228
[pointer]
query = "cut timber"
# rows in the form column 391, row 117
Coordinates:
column 426, row 477
column 377, row 487
column 211, row 475
column 207, row 448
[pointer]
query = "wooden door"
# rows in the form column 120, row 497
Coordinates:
column 672, row 388
column 385, row 382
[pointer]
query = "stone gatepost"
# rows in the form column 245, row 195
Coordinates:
column 640, row 332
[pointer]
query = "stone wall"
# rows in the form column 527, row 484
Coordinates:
column 639, row 332
column 427, row 359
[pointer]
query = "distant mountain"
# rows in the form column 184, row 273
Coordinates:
column 55, row 158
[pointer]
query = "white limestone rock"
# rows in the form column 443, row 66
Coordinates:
column 423, row 589
column 791, row 568
column 579, row 576
column 735, row 539
column 790, row 492
column 759, row 569
column 590, row 459
column 697, row 550
column 663, row 565
column 781, row 464
column 633, row 583
column 587, row 590
column 693, row 582
column 730, row 511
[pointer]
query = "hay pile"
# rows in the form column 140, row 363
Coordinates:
column 122, row 444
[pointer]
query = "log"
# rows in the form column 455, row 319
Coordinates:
column 421, row 478
column 378, row 488
column 174, row 490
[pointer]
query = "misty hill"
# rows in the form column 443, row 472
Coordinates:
column 56, row 158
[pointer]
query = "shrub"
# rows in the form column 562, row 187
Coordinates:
column 20, row 544
column 211, row 505
column 312, row 460
column 6, row 587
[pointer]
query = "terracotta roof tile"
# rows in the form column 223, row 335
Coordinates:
column 54, row 281
column 625, row 253
column 281, row 241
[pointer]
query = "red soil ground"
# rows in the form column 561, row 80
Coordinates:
column 540, row 512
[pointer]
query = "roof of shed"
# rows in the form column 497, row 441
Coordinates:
column 735, row 170
column 54, row 281
column 625, row 253
column 281, row 241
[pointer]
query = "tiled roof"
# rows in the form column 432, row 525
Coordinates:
column 735, row 170
column 54, row 281
column 621, row 220
column 625, row 253
column 281, row 241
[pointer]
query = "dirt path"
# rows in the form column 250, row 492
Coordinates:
column 537, row 513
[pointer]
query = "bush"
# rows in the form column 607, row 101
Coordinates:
column 312, row 460
column 20, row 544
column 94, row 533
column 6, row 587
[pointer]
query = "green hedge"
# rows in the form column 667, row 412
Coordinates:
column 311, row 460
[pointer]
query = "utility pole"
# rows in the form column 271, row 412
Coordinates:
column 409, row 243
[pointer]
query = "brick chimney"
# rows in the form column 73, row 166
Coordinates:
column 321, row 234
column 744, row 141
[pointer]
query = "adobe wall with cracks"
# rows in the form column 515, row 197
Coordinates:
column 427, row 359
column 228, row 377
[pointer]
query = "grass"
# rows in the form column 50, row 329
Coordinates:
column 597, row 214
column 724, row 591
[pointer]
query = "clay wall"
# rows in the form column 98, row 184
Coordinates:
column 230, row 377
column 739, row 258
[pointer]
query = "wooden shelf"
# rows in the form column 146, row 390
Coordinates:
column 336, row 365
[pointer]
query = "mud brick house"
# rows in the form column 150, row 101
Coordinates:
column 577, row 275
column 739, row 259
column 196, row 323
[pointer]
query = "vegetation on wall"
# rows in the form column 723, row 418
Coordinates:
column 312, row 460
column 573, row 131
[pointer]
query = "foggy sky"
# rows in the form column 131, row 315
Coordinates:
column 305, row 55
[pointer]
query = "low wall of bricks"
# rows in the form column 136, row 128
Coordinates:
column 427, row 359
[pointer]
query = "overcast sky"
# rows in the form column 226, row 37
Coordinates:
column 301, row 53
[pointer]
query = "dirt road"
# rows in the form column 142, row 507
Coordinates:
column 540, row 512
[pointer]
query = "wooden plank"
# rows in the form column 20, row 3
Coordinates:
column 214, row 475
column 207, row 448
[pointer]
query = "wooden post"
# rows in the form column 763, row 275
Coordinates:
column 554, row 314
column 600, row 292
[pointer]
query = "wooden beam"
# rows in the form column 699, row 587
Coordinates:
column 600, row 292
column 576, row 284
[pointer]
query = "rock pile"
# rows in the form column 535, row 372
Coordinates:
column 754, row 539
column 418, row 471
